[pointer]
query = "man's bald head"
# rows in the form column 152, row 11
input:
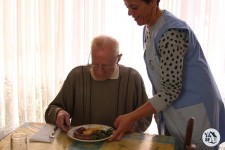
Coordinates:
column 105, row 56
column 105, row 44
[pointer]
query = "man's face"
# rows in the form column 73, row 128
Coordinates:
column 140, row 11
column 103, row 63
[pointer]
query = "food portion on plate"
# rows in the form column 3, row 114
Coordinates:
column 91, row 132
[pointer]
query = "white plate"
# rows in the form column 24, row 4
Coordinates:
column 102, row 127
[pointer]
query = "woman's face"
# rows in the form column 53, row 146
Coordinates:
column 141, row 12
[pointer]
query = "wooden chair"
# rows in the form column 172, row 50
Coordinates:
column 188, row 136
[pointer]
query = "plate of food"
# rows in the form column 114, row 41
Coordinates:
column 90, row 133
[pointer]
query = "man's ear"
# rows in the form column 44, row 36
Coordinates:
column 119, row 57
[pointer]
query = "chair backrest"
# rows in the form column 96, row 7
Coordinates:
column 188, row 136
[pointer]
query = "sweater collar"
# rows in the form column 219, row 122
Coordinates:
column 115, row 74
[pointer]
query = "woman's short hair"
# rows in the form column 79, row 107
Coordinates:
column 148, row 1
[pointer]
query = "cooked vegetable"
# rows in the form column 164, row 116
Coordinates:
column 92, row 133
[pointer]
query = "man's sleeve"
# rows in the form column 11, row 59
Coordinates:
column 64, row 100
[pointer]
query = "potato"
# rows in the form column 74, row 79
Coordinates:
column 90, row 131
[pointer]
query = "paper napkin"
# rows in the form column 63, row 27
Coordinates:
column 43, row 135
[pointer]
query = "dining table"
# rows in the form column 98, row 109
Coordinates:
column 131, row 141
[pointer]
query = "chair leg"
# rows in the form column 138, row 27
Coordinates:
column 188, row 135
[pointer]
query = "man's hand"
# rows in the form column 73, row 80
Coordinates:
column 123, row 124
column 63, row 120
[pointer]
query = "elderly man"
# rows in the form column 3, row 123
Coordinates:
column 100, row 92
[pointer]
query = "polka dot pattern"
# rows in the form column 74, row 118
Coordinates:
column 172, row 47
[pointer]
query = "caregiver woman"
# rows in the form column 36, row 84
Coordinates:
column 183, row 85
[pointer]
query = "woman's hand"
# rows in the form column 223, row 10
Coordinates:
column 123, row 124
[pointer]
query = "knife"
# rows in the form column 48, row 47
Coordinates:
column 53, row 132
